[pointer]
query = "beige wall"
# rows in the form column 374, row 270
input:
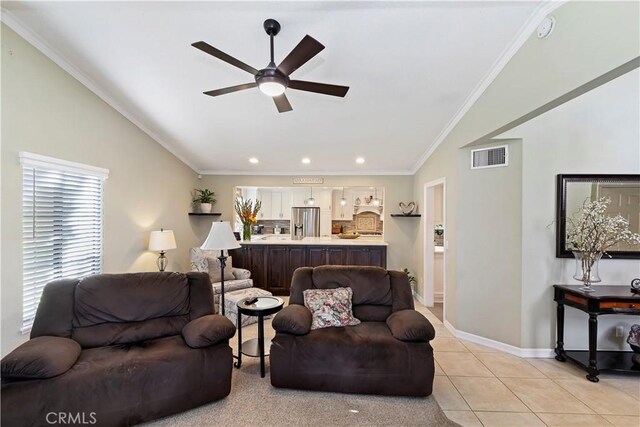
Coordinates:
column 590, row 39
column 46, row 111
column 398, row 232
column 598, row 132
column 489, row 232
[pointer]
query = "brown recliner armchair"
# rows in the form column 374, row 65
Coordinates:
column 117, row 350
column 388, row 353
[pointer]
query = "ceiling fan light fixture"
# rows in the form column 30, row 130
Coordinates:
column 271, row 88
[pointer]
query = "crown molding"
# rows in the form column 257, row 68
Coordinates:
column 308, row 173
column 23, row 31
column 542, row 10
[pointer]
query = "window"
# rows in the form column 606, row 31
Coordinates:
column 61, row 225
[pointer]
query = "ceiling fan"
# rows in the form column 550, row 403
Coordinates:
column 274, row 80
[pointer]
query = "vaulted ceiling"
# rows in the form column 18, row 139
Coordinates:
column 411, row 68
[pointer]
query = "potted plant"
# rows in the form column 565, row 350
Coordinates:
column 412, row 280
column 205, row 198
column 590, row 232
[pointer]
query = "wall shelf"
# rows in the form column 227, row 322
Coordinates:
column 406, row 216
column 205, row 214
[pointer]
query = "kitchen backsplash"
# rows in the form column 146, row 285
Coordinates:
column 269, row 225
column 364, row 223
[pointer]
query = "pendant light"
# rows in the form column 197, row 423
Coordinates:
column 311, row 201
column 343, row 201
column 376, row 201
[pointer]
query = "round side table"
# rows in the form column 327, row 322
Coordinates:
column 263, row 306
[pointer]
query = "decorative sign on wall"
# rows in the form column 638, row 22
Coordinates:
column 308, row 180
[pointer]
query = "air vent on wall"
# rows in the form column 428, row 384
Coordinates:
column 489, row 157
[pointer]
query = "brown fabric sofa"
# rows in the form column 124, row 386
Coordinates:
column 388, row 353
column 117, row 350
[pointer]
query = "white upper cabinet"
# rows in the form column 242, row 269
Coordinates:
column 323, row 199
column 287, row 199
column 265, row 211
column 275, row 204
column 299, row 198
column 339, row 212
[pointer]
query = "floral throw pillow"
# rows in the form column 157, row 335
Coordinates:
column 330, row 307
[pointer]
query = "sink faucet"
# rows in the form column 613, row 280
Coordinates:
column 296, row 228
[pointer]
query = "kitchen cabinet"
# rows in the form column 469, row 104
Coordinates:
column 286, row 205
column 326, row 255
column 325, row 223
column 320, row 195
column 254, row 259
column 283, row 261
column 275, row 205
column 299, row 198
column 265, row 209
column 366, row 255
column 272, row 266
column 339, row 212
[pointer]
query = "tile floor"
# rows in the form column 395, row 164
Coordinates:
column 480, row 386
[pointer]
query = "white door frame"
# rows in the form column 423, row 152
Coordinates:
column 429, row 248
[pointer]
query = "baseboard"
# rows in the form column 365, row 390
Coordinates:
column 418, row 298
column 507, row 348
column 438, row 297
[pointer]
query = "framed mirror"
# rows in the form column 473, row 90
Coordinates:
column 573, row 190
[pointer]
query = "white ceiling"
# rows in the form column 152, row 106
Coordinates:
column 411, row 67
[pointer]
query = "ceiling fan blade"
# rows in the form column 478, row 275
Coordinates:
column 206, row 47
column 322, row 88
column 304, row 51
column 282, row 103
column 230, row 89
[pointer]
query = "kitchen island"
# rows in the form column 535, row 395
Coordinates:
column 272, row 259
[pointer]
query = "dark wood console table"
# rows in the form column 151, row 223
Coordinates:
column 603, row 300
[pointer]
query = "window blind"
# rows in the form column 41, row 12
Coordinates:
column 62, row 212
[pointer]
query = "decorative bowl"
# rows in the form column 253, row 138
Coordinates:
column 352, row 235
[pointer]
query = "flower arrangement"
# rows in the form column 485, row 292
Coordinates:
column 590, row 232
column 247, row 210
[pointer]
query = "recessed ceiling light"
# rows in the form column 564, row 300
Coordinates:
column 360, row 160
column 306, row 160
column 253, row 160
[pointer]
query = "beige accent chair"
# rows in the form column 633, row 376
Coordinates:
column 242, row 278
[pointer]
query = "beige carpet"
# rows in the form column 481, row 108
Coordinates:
column 254, row 402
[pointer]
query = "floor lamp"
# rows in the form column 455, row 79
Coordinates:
column 221, row 238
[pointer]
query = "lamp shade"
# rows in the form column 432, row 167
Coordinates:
column 162, row 240
column 220, row 237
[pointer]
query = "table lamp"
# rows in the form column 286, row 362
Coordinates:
column 221, row 238
column 162, row 241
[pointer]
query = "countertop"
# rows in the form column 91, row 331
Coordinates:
column 285, row 239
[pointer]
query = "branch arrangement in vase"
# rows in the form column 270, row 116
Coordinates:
column 590, row 232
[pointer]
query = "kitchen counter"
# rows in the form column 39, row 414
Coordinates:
column 285, row 239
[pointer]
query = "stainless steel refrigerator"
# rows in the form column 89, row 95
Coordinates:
column 305, row 222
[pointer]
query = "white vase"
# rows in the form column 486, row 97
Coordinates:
column 205, row 207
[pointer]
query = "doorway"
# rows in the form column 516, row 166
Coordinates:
column 435, row 244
